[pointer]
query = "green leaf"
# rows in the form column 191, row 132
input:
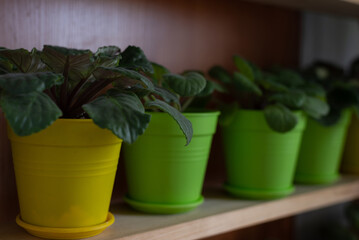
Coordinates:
column 168, row 96
column 123, row 77
column 76, row 63
column 5, row 66
column 280, row 118
column 293, row 99
column 242, row 83
column 221, row 74
column 30, row 112
column 268, row 82
column 121, row 112
column 17, row 83
column 23, row 60
column 108, row 56
column 343, row 95
column 313, row 89
column 183, row 122
column 228, row 113
column 208, row 89
column 158, row 72
column 134, row 58
column 244, row 67
column 315, row 107
column 189, row 84
column 289, row 78
column 331, row 118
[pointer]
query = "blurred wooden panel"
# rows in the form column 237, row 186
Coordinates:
column 180, row 34
column 282, row 229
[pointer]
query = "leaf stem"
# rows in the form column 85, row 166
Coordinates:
column 187, row 103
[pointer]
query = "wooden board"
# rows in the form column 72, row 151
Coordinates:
column 219, row 214
column 180, row 34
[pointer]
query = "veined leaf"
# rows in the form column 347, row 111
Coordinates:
column 228, row 113
column 134, row 58
column 221, row 74
column 280, row 118
column 108, row 56
column 293, row 99
column 244, row 67
column 28, row 113
column 168, row 96
column 183, row 122
column 123, row 77
column 208, row 89
column 313, row 89
column 189, row 84
column 77, row 64
column 289, row 78
column 17, row 83
column 121, row 112
column 315, row 107
column 243, row 83
column 23, row 60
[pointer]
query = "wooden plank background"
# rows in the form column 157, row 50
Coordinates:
column 180, row 34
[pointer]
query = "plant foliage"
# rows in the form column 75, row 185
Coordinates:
column 38, row 87
column 278, row 92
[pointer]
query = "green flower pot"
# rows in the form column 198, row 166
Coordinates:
column 350, row 162
column 164, row 176
column 260, row 162
column 321, row 151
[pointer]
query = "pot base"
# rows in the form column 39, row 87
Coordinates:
column 258, row 194
column 65, row 233
column 315, row 179
column 162, row 208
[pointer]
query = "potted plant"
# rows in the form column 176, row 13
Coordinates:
column 68, row 111
column 324, row 138
column 163, row 175
column 262, row 124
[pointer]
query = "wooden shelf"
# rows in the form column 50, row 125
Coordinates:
column 342, row 7
column 220, row 213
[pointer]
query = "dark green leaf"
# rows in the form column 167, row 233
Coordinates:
column 315, row 107
column 158, row 72
column 208, row 90
column 242, row 83
column 17, row 83
column 123, row 77
column 331, row 118
column 280, row 118
column 268, row 82
column 342, row 96
column 313, row 89
column 244, row 67
column 23, row 60
column 293, row 99
column 168, row 96
column 183, row 122
column 76, row 63
column 121, row 112
column 220, row 74
column 29, row 113
column 289, row 78
column 228, row 113
column 108, row 56
column 134, row 58
column 190, row 84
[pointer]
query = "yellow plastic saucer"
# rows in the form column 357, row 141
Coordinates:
column 66, row 233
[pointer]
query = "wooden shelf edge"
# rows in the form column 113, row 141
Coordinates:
column 257, row 214
column 219, row 214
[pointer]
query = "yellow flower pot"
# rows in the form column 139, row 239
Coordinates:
column 64, row 176
column 350, row 163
